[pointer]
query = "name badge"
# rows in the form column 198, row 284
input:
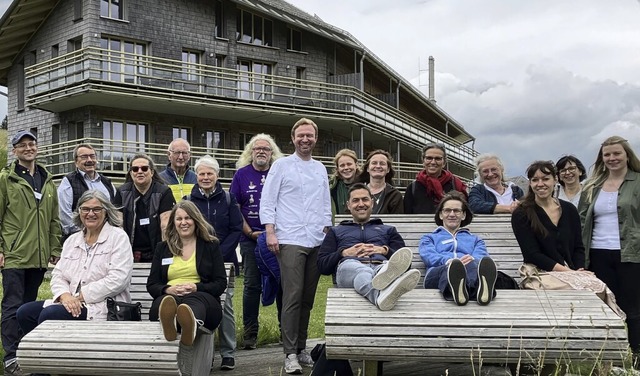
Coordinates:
column 167, row 261
column 38, row 195
column 144, row 221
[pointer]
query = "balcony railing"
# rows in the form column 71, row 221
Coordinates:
column 114, row 157
column 154, row 77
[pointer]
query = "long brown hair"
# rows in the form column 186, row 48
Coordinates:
column 528, row 203
column 203, row 228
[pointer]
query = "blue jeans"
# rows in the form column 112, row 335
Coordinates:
column 356, row 275
column 32, row 314
column 227, row 328
column 20, row 286
column 437, row 278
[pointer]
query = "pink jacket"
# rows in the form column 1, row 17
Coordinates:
column 103, row 271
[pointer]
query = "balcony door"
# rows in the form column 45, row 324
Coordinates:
column 124, row 61
column 254, row 80
column 122, row 140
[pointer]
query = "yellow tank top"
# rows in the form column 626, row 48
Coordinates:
column 181, row 271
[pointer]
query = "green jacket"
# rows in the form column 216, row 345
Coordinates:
column 628, row 218
column 29, row 231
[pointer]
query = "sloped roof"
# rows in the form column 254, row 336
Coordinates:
column 18, row 24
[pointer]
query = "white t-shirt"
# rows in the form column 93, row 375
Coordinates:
column 606, row 232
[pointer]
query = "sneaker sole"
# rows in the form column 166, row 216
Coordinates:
column 187, row 322
column 399, row 263
column 457, row 275
column 399, row 287
column 167, row 313
column 487, row 275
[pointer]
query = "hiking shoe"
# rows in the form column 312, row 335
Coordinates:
column 388, row 297
column 250, row 343
column 291, row 365
column 457, row 277
column 305, row 359
column 487, row 274
column 228, row 364
column 167, row 313
column 399, row 262
column 188, row 324
column 13, row 369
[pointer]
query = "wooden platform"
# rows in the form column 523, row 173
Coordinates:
column 519, row 326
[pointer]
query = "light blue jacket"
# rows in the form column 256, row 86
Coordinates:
column 440, row 246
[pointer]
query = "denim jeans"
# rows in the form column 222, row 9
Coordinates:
column 32, row 314
column 437, row 278
column 356, row 275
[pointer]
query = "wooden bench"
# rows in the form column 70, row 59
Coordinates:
column 110, row 348
column 523, row 327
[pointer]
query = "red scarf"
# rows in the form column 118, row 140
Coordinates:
column 434, row 185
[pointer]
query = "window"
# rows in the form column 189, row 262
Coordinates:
column 254, row 29
column 112, row 9
column 122, row 140
column 125, row 60
column 20, row 86
column 190, row 61
column 77, row 10
column 220, row 26
column 214, row 140
column 179, row 132
column 244, row 139
column 254, row 82
column 294, row 39
column 55, row 51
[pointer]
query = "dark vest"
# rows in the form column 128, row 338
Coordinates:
column 79, row 186
column 152, row 198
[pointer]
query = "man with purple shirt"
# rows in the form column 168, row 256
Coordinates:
column 252, row 168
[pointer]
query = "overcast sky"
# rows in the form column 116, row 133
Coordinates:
column 529, row 79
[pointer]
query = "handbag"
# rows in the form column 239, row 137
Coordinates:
column 534, row 278
column 121, row 311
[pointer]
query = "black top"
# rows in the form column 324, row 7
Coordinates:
column 562, row 245
column 416, row 200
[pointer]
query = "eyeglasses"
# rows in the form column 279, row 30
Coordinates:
column 568, row 170
column 84, row 157
column 140, row 168
column 488, row 171
column 24, row 145
column 87, row 210
column 185, row 153
column 265, row 149
column 429, row 159
column 448, row 211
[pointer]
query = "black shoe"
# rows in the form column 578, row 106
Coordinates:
column 228, row 364
column 250, row 343
column 487, row 274
column 457, row 277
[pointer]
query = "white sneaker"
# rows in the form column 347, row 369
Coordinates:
column 291, row 365
column 399, row 262
column 305, row 359
column 403, row 284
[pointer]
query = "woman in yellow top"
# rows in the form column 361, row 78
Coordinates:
column 187, row 276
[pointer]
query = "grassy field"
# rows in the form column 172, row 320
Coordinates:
column 269, row 330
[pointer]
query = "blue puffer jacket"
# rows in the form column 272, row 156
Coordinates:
column 440, row 246
column 349, row 233
column 224, row 216
column 483, row 201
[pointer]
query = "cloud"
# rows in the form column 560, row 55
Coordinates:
column 551, row 112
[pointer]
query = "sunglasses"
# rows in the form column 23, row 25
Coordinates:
column 138, row 168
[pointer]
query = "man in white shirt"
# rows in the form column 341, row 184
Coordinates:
column 73, row 185
column 296, row 209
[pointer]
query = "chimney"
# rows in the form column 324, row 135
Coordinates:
column 432, row 82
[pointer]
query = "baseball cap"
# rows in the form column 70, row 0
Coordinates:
column 22, row 133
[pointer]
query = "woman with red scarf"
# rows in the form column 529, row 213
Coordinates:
column 424, row 194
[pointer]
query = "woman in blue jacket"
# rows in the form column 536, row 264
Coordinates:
column 221, row 210
column 457, row 260
column 493, row 195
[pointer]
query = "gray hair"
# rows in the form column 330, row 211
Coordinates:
column 208, row 161
column 487, row 157
column 112, row 214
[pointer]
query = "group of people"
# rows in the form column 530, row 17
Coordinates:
column 184, row 223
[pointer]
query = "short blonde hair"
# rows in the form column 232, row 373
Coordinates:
column 302, row 122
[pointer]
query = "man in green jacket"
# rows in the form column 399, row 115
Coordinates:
column 29, row 237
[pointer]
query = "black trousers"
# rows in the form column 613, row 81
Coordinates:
column 19, row 286
column 622, row 279
column 205, row 307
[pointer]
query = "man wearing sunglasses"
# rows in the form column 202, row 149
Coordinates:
column 178, row 175
column 73, row 185
column 29, row 236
